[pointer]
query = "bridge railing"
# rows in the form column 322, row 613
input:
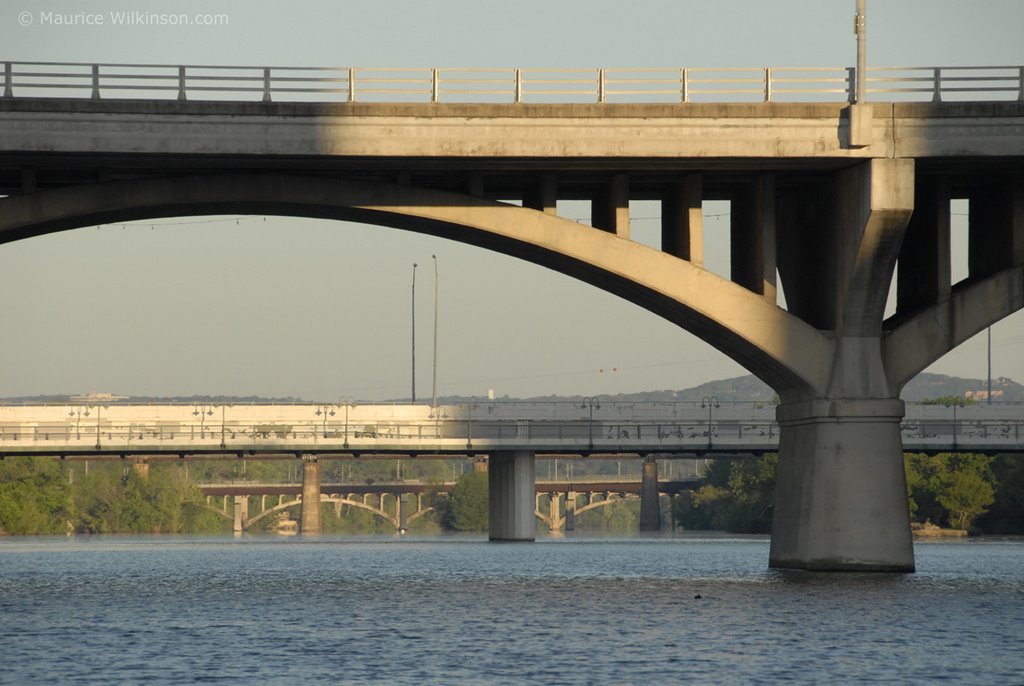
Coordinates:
column 453, row 435
column 515, row 85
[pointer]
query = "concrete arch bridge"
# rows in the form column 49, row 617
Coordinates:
column 829, row 201
column 557, row 504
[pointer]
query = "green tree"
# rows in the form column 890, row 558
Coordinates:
column 1006, row 514
column 952, row 487
column 966, row 496
column 735, row 495
column 468, row 510
column 34, row 497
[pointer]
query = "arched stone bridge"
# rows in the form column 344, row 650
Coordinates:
column 400, row 503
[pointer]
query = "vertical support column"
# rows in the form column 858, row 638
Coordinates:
column 403, row 512
column 310, row 521
column 996, row 227
column 554, row 512
column 570, row 511
column 752, row 243
column 241, row 513
column 610, row 209
column 543, row 196
column 923, row 270
column 650, row 508
column 682, row 220
column 511, row 487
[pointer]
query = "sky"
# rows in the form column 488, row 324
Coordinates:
column 279, row 306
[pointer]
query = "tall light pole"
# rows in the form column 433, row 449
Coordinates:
column 990, row 365
column 861, row 29
column 709, row 402
column 591, row 403
column 413, row 333
column 434, row 394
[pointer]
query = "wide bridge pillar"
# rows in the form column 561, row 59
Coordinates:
column 842, row 489
column 310, row 521
column 841, row 499
column 511, row 483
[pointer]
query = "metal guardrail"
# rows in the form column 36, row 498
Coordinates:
column 455, row 435
column 515, row 85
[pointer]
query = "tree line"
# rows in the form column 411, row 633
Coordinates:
column 980, row 493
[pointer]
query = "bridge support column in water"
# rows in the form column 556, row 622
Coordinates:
column 841, row 489
column 404, row 508
column 841, row 497
column 650, row 507
column 570, row 511
column 511, row 485
column 241, row 513
column 310, row 521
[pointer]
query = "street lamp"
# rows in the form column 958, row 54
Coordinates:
column 99, row 412
column 414, row 265
column 591, row 403
column 434, row 394
column 201, row 411
column 861, row 29
column 347, row 403
column 78, row 412
column 325, row 410
column 711, row 402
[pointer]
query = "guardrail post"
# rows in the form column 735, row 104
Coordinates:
column 1020, row 87
column 517, row 93
column 9, row 76
column 266, row 84
column 351, row 84
column 684, row 85
column 937, row 85
column 181, row 83
column 767, row 84
column 600, row 85
column 435, row 85
column 851, row 84
column 95, row 82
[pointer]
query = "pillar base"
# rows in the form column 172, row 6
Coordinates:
column 841, row 490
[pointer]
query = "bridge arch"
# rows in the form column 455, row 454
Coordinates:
column 779, row 347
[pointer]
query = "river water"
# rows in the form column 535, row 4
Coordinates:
column 172, row 610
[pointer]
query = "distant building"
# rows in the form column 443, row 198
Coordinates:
column 97, row 398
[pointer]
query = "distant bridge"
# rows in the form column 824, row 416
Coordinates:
column 345, row 430
column 557, row 503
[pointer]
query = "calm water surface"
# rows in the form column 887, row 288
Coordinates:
column 167, row 610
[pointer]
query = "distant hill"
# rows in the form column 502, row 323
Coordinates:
column 749, row 387
column 740, row 388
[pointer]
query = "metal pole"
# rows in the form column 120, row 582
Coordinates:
column 414, row 332
column 861, row 27
column 434, row 393
column 990, row 365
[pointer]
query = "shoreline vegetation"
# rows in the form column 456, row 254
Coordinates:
column 950, row 495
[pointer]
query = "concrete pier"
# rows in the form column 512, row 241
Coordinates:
column 650, row 507
column 842, row 490
column 241, row 521
column 570, row 511
column 310, row 521
column 511, row 488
